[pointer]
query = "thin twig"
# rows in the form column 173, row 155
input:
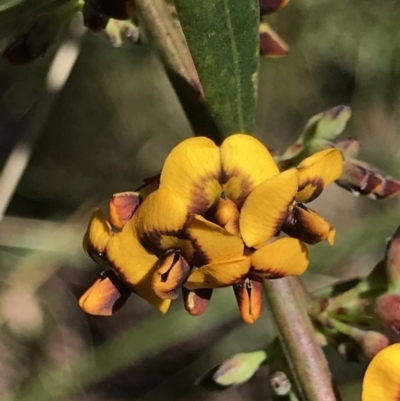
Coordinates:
column 164, row 33
column 296, row 334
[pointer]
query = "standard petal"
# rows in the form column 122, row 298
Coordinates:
column 211, row 243
column 246, row 163
column 308, row 226
column 249, row 295
column 162, row 213
column 122, row 206
column 284, row 257
column 135, row 266
column 317, row 172
column 267, row 207
column 97, row 236
column 105, row 296
column 381, row 380
column 192, row 172
column 171, row 273
column 218, row 274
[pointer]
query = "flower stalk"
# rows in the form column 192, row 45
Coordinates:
column 297, row 338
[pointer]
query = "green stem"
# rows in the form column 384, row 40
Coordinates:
column 296, row 333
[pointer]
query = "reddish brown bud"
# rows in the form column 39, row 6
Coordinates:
column 371, row 342
column 122, row 206
column 387, row 310
column 271, row 6
column 196, row 301
column 249, row 296
column 365, row 179
column 271, row 44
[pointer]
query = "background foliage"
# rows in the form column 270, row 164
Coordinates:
column 112, row 125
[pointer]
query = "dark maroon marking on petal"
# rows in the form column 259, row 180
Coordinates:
column 152, row 240
column 199, row 202
column 267, row 273
column 246, row 185
column 199, row 258
column 300, row 224
column 318, row 185
column 282, row 218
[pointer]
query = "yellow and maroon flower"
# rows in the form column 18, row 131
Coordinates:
column 210, row 223
column 382, row 380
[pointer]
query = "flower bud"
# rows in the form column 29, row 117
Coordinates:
column 387, row 310
column 122, row 206
column 308, row 226
column 271, row 44
column 271, row 6
column 249, row 296
column 106, row 296
column 196, row 301
column 239, row 368
column 170, row 275
column 371, row 342
column 365, row 179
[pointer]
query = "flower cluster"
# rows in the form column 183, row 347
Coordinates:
column 211, row 220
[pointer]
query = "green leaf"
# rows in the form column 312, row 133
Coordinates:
column 223, row 39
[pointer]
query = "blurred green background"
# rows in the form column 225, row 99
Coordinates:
column 112, row 125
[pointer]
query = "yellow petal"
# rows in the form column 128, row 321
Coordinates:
column 135, row 266
column 284, row 257
column 266, row 208
column 105, row 296
column 382, row 381
column 122, row 206
column 170, row 275
column 218, row 274
column 192, row 172
column 308, row 226
column 226, row 215
column 246, row 163
column 97, row 236
column 161, row 213
column 212, row 244
column 317, row 172
column 249, row 295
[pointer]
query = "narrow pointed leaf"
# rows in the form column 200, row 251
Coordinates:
column 223, row 39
